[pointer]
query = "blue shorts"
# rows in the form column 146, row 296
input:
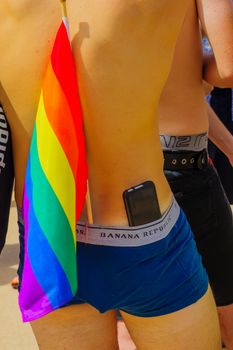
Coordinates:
column 146, row 271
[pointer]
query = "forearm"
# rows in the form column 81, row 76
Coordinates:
column 214, row 76
column 219, row 134
column 216, row 19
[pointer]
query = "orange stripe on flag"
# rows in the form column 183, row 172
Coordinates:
column 60, row 117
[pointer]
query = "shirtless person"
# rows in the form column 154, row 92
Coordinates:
column 183, row 127
column 123, row 52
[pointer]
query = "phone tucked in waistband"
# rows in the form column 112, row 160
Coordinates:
column 141, row 204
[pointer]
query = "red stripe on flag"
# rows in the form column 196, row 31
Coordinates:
column 62, row 61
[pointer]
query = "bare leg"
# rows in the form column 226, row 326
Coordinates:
column 124, row 339
column 225, row 314
column 78, row 327
column 194, row 327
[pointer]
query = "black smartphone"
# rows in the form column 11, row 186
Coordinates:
column 141, row 204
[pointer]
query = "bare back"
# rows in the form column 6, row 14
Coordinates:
column 182, row 109
column 123, row 51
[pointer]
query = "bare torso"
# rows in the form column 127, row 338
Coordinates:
column 182, row 109
column 123, row 51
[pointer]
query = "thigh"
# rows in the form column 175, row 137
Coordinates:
column 79, row 327
column 124, row 339
column 225, row 314
column 194, row 327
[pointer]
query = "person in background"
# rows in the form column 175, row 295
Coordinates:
column 185, row 123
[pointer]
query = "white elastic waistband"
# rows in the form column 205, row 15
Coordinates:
column 126, row 236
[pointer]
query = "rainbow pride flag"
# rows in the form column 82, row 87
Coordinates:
column 55, row 188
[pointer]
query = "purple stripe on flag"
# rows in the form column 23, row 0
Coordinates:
column 31, row 293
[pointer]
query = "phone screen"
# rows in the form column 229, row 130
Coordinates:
column 141, row 204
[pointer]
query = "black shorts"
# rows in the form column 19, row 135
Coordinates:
column 200, row 194
column 222, row 103
column 6, row 176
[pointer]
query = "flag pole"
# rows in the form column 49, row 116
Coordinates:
column 88, row 206
column 63, row 8
column 88, row 197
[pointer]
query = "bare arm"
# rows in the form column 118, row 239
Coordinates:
column 217, row 23
column 219, row 134
column 212, row 75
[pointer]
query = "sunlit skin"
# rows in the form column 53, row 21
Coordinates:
column 182, row 109
column 123, row 51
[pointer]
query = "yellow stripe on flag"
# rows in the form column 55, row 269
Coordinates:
column 57, row 169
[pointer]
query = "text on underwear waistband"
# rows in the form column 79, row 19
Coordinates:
column 4, row 136
column 126, row 236
column 184, row 143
